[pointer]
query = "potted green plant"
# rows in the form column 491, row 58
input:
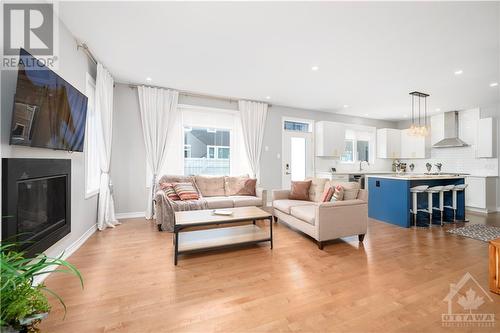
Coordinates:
column 24, row 304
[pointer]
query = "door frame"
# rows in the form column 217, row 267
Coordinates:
column 311, row 123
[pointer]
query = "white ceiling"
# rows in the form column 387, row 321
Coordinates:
column 370, row 55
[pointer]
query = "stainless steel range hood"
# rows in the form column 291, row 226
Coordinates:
column 451, row 138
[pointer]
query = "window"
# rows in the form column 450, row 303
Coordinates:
column 209, row 151
column 91, row 145
column 359, row 144
column 296, row 126
column 348, row 155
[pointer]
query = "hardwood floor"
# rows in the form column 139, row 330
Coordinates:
column 395, row 282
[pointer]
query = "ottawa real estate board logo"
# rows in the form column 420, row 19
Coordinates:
column 32, row 26
column 465, row 300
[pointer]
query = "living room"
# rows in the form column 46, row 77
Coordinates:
column 251, row 166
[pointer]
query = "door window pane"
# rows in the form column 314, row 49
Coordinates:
column 296, row 126
column 298, row 158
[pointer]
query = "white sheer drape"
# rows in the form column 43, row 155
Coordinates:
column 253, row 120
column 104, row 112
column 158, row 114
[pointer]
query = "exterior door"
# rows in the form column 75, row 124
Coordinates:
column 297, row 156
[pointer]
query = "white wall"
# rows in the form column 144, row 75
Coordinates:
column 128, row 166
column 73, row 67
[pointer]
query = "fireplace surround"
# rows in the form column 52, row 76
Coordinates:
column 36, row 202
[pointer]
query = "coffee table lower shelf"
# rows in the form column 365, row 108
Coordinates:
column 203, row 240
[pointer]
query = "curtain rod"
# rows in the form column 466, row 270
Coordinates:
column 201, row 95
column 86, row 50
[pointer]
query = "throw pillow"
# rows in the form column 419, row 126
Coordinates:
column 240, row 186
column 338, row 194
column 300, row 190
column 327, row 194
column 186, row 191
column 168, row 188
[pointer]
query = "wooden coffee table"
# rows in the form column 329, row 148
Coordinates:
column 216, row 238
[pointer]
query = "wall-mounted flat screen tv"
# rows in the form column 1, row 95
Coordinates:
column 48, row 111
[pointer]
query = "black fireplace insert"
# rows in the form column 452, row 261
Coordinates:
column 36, row 202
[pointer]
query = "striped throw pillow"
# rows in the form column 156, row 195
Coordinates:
column 168, row 188
column 186, row 191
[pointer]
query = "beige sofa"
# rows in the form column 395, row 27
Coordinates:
column 324, row 221
column 213, row 192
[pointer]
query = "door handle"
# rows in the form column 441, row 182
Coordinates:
column 288, row 173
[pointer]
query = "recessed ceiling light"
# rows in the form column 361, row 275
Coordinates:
column 459, row 72
column 366, row 114
column 493, row 84
column 268, row 97
column 315, row 68
column 149, row 79
column 405, row 116
column 438, row 109
column 346, row 106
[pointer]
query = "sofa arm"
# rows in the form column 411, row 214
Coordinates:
column 164, row 212
column 280, row 194
column 363, row 195
column 341, row 219
column 262, row 193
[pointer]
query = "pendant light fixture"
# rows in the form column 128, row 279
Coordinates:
column 418, row 125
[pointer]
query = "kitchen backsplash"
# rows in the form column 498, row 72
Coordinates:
column 460, row 160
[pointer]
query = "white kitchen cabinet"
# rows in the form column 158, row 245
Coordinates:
column 388, row 143
column 413, row 146
column 486, row 138
column 330, row 139
column 480, row 193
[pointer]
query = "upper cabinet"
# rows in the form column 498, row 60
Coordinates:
column 486, row 138
column 413, row 146
column 330, row 139
column 388, row 143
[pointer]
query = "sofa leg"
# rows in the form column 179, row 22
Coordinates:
column 320, row 245
column 361, row 237
column 275, row 218
column 159, row 227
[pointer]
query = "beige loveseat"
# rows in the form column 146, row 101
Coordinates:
column 324, row 221
column 214, row 194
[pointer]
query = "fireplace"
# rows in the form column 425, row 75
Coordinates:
column 36, row 202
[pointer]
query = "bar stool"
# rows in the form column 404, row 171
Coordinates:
column 414, row 196
column 430, row 207
column 446, row 188
column 454, row 191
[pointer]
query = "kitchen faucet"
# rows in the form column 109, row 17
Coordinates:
column 360, row 165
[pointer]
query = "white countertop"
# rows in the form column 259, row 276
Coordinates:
column 417, row 176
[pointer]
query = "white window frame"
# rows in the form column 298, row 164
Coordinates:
column 91, row 189
column 358, row 129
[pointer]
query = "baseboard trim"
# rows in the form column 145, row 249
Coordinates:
column 68, row 252
column 482, row 210
column 130, row 215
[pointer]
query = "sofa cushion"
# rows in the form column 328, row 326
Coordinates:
column 210, row 186
column 305, row 213
column 284, row 205
column 186, row 191
column 219, row 202
column 240, row 185
column 299, row 190
column 317, row 188
column 168, row 188
column 245, row 200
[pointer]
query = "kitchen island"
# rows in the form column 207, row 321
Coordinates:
column 390, row 197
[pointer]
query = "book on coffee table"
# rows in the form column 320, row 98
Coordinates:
column 223, row 212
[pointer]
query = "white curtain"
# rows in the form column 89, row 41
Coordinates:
column 158, row 114
column 253, row 119
column 104, row 112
